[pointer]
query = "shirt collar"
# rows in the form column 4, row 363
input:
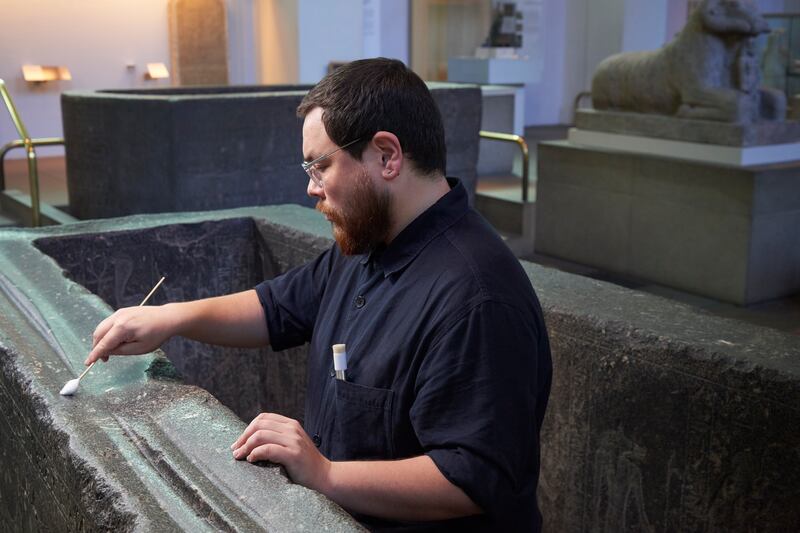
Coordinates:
column 422, row 230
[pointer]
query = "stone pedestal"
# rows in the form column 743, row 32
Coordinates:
column 727, row 232
column 708, row 141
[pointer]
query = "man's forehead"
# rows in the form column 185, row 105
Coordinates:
column 315, row 138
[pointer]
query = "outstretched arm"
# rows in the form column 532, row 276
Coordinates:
column 232, row 320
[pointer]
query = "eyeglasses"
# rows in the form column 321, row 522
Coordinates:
column 311, row 167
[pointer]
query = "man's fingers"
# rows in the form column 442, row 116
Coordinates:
column 251, row 427
column 278, row 418
column 255, row 425
column 268, row 452
column 283, row 440
column 260, row 437
column 126, row 348
column 101, row 330
column 260, row 434
column 111, row 343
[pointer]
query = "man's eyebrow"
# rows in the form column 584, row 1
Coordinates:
column 312, row 155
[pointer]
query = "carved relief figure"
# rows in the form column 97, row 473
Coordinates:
column 617, row 492
column 709, row 71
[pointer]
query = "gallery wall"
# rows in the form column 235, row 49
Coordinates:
column 269, row 41
column 106, row 44
column 276, row 41
column 95, row 39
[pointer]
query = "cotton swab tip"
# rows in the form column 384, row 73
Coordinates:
column 70, row 388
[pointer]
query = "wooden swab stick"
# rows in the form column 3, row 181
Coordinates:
column 72, row 385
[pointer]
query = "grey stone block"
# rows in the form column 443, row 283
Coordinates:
column 719, row 231
column 497, row 115
column 662, row 418
column 686, row 248
column 186, row 149
column 603, row 243
column 774, row 263
column 460, row 106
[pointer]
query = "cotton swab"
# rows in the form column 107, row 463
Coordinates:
column 71, row 386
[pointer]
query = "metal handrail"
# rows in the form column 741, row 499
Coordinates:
column 576, row 104
column 33, row 174
column 520, row 141
column 45, row 141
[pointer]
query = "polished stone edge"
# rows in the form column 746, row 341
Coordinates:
column 213, row 92
column 687, row 151
column 711, row 132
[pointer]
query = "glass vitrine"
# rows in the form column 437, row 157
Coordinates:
column 780, row 54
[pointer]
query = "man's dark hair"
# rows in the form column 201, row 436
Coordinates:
column 364, row 97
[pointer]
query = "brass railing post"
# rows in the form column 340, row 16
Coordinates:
column 520, row 141
column 44, row 141
column 33, row 174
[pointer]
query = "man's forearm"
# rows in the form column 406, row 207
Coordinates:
column 232, row 320
column 408, row 489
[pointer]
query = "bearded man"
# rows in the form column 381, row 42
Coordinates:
column 436, row 425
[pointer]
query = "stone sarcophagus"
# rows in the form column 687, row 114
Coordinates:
column 141, row 447
column 661, row 418
column 197, row 148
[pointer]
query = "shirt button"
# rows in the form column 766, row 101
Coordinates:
column 360, row 301
column 317, row 440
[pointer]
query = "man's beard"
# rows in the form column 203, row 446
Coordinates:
column 364, row 220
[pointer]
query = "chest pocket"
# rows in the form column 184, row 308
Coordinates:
column 363, row 428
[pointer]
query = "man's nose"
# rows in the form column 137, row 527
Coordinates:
column 315, row 190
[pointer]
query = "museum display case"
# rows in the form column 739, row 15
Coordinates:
column 780, row 54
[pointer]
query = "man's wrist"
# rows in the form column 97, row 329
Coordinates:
column 174, row 317
column 325, row 482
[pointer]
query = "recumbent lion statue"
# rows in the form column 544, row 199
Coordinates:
column 709, row 71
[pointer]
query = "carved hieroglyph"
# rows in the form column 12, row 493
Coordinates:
column 709, row 71
column 198, row 42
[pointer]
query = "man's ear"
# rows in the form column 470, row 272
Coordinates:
column 388, row 145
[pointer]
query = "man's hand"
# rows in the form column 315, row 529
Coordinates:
column 276, row 438
column 130, row 331
column 406, row 489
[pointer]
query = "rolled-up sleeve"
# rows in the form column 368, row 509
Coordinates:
column 475, row 411
column 291, row 301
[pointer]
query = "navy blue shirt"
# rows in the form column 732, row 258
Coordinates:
column 448, row 356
